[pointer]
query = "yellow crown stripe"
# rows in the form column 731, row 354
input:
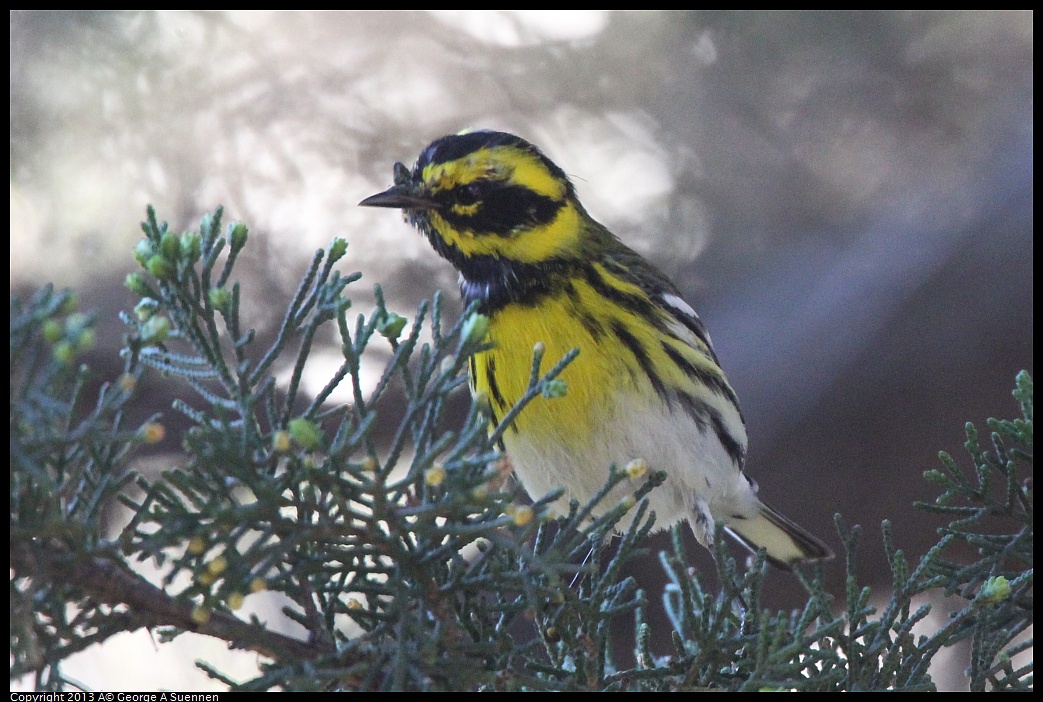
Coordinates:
column 509, row 164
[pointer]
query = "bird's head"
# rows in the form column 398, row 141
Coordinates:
column 486, row 199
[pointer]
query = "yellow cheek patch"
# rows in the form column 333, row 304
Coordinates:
column 546, row 241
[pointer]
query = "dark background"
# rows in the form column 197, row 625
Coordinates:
column 846, row 198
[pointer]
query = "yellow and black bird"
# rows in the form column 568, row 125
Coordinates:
column 646, row 384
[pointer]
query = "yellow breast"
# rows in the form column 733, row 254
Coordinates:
column 595, row 378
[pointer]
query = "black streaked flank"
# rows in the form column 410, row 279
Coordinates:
column 592, row 325
column 694, row 324
column 494, row 418
column 704, row 414
column 641, row 354
column 576, row 309
column 707, row 378
column 640, row 305
column 494, row 388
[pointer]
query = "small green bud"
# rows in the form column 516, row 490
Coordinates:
column 474, row 330
column 636, row 468
column 152, row 432
column 220, row 298
column 217, row 565
column 155, row 330
column 70, row 304
column 52, row 331
column 555, row 388
column 306, row 433
column 127, row 383
column 135, row 282
column 935, row 476
column 143, row 251
column 520, row 514
column 281, row 441
column 338, row 248
column 146, row 308
column 170, row 246
column 237, row 235
column 995, row 590
column 75, row 323
column 190, row 244
column 391, row 325
column 64, row 352
column 435, row 475
column 161, row 268
column 86, row 339
column 79, row 333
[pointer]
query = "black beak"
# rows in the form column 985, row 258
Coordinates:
column 402, row 197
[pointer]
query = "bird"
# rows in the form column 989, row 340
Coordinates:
column 646, row 385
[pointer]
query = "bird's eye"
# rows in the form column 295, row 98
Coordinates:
column 469, row 194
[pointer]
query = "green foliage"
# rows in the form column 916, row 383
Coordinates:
column 415, row 564
column 66, row 453
column 991, row 512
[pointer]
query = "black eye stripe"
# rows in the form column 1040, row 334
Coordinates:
column 503, row 208
column 470, row 194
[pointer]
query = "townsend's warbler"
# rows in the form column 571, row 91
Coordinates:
column 646, row 383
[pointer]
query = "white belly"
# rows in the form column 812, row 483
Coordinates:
column 702, row 477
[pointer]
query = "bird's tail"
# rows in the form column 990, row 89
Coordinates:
column 786, row 542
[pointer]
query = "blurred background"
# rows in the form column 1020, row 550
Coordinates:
column 846, row 198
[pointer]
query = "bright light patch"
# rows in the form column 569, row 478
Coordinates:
column 618, row 165
column 525, row 27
